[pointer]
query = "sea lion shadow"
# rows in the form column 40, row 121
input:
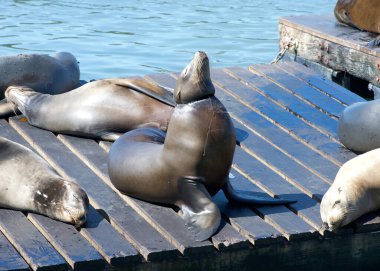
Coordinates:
column 95, row 217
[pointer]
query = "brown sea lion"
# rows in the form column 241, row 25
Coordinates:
column 102, row 109
column 28, row 183
column 362, row 14
column 355, row 191
column 188, row 163
column 46, row 74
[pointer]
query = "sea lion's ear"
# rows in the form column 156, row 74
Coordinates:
column 201, row 214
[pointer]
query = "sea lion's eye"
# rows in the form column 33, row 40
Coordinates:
column 336, row 202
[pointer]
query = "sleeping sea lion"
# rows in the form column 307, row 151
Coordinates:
column 46, row 74
column 355, row 191
column 102, row 109
column 28, row 183
column 362, row 14
column 188, row 163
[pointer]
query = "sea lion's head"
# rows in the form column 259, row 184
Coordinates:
column 194, row 82
column 62, row 200
column 341, row 205
column 342, row 11
column 69, row 61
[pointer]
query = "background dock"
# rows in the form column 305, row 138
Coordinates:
column 337, row 50
column 286, row 120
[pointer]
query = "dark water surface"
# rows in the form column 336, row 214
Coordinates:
column 122, row 38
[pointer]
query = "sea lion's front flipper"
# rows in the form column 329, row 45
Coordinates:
column 7, row 109
column 154, row 91
column 246, row 197
column 374, row 43
column 200, row 213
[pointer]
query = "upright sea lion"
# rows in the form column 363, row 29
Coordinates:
column 358, row 126
column 101, row 109
column 355, row 191
column 28, row 183
column 362, row 14
column 188, row 163
column 46, row 74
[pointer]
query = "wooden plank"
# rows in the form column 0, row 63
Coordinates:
column 318, row 164
column 297, row 87
column 111, row 244
column 248, row 223
column 164, row 219
column 10, row 260
column 326, row 26
column 277, row 131
column 317, row 81
column 29, row 242
column 338, row 55
column 275, row 94
column 69, row 243
column 97, row 230
column 125, row 219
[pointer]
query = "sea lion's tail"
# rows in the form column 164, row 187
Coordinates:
column 7, row 109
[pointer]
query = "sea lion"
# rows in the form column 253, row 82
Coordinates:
column 362, row 14
column 358, row 126
column 355, row 191
column 28, row 183
column 46, row 74
column 102, row 109
column 188, row 163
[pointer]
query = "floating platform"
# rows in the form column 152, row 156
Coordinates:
column 286, row 120
column 339, row 51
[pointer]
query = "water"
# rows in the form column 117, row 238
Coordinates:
column 124, row 38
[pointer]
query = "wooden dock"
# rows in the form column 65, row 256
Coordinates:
column 286, row 119
column 339, row 51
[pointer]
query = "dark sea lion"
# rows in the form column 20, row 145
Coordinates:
column 358, row 126
column 188, row 163
column 46, row 74
column 101, row 109
column 28, row 183
column 362, row 14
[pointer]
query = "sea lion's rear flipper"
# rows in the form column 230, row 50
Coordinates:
column 374, row 43
column 154, row 91
column 200, row 213
column 246, row 197
column 7, row 109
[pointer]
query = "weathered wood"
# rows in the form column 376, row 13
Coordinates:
column 318, row 164
column 69, row 243
column 297, row 87
column 29, row 242
column 164, row 219
column 10, row 260
column 317, row 81
column 122, row 216
column 307, row 112
column 111, row 244
column 323, row 41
